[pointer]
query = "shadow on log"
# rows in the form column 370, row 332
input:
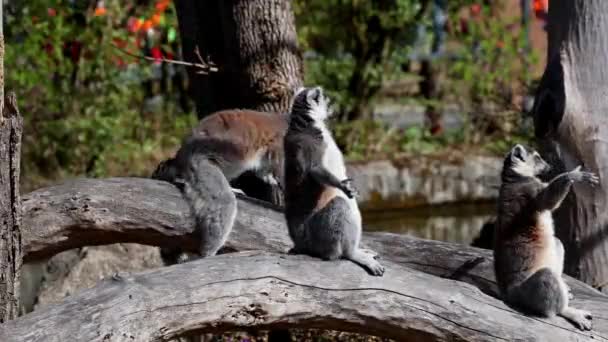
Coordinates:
column 424, row 293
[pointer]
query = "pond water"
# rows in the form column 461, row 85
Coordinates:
column 459, row 223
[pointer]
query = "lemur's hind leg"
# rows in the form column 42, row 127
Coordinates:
column 324, row 230
column 540, row 294
column 212, row 201
column 544, row 294
column 344, row 231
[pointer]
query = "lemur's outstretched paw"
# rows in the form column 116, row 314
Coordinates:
column 348, row 188
column 580, row 318
column 583, row 176
column 591, row 178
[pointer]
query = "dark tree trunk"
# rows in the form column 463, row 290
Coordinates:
column 254, row 44
column 571, row 125
column 10, row 209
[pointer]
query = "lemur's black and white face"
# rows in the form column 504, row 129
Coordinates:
column 310, row 103
column 527, row 163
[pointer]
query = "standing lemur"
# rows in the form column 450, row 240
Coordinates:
column 322, row 214
column 528, row 258
column 223, row 146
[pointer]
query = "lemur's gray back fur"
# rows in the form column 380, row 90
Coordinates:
column 303, row 148
column 223, row 147
column 196, row 170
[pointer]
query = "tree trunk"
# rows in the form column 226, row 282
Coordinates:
column 1, row 58
column 254, row 44
column 10, row 209
column 571, row 126
column 10, row 203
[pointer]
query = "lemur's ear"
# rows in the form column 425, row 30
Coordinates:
column 314, row 94
column 518, row 152
column 298, row 91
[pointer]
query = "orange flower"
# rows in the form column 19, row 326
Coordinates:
column 100, row 11
column 147, row 25
column 156, row 19
column 162, row 5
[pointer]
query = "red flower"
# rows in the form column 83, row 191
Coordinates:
column 475, row 9
column 156, row 54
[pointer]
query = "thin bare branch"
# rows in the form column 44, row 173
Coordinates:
column 203, row 66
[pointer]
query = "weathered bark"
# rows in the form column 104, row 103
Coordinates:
column 10, row 209
column 267, row 290
column 254, row 44
column 570, row 122
column 1, row 59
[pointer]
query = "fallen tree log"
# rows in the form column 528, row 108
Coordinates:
column 269, row 290
column 89, row 212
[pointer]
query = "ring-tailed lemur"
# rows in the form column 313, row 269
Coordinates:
column 321, row 211
column 223, row 146
column 528, row 257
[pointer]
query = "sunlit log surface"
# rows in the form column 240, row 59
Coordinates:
column 431, row 289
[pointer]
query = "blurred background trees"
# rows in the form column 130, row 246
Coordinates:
column 406, row 76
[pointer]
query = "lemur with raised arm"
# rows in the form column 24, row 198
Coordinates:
column 320, row 206
column 528, row 257
column 222, row 147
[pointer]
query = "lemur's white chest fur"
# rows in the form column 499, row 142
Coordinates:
column 333, row 161
column 545, row 223
column 548, row 255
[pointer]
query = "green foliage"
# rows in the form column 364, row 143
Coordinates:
column 85, row 116
column 484, row 82
column 353, row 44
column 370, row 139
column 81, row 115
column 491, row 69
column 498, row 62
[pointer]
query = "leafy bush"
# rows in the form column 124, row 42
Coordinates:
column 485, row 66
column 80, row 98
column 353, row 44
column 491, row 68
